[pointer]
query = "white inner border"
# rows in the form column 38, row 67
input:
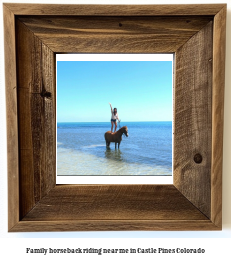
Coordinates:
column 114, row 179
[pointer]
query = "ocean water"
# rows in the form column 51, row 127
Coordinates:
column 81, row 149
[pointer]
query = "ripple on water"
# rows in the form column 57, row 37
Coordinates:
column 72, row 162
column 81, row 150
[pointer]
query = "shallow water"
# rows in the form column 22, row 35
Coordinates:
column 81, row 149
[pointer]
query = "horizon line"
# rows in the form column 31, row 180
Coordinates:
column 106, row 121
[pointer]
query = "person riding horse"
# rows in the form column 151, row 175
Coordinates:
column 115, row 137
column 114, row 117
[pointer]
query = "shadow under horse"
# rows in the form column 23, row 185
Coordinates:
column 115, row 137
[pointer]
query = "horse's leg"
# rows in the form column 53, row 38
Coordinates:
column 115, row 145
column 118, row 145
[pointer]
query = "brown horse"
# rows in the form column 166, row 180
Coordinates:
column 115, row 137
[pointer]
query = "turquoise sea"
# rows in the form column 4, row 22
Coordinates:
column 81, row 149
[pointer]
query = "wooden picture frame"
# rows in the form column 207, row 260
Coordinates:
column 33, row 33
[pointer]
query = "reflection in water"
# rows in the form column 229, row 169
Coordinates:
column 113, row 154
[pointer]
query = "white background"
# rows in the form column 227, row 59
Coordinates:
column 216, row 244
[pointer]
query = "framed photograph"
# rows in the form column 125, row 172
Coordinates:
column 34, row 36
column 141, row 86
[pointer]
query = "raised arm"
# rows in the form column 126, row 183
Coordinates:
column 111, row 107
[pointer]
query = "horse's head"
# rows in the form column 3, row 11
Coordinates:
column 125, row 130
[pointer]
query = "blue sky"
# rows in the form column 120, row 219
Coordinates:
column 140, row 90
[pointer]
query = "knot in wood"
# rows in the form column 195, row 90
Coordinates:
column 45, row 94
column 198, row 158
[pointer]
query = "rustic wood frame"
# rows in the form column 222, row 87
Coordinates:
column 33, row 34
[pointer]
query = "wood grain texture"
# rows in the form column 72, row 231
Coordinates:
column 12, row 114
column 114, row 225
column 108, row 202
column 114, row 207
column 77, row 25
column 218, row 115
column 48, row 143
column 115, row 34
column 114, row 10
column 36, row 106
column 112, row 43
column 193, row 125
